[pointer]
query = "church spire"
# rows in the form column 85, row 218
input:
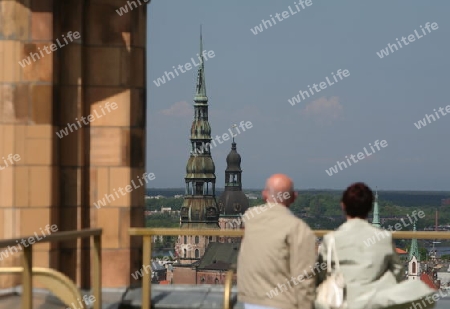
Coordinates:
column 376, row 212
column 414, row 247
column 233, row 201
column 199, row 207
column 200, row 94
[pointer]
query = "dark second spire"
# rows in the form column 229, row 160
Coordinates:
column 233, row 160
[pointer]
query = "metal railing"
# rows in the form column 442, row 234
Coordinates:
column 227, row 288
column 147, row 234
column 60, row 285
column 66, row 290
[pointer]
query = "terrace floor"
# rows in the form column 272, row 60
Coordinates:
column 163, row 296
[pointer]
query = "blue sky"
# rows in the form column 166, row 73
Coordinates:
column 252, row 77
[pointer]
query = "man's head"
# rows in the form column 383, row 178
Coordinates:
column 279, row 189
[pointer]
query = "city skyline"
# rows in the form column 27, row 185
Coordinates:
column 252, row 78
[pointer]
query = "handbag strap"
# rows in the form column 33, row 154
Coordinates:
column 332, row 250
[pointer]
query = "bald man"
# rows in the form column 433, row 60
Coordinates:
column 277, row 256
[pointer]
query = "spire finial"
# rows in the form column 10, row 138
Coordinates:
column 201, row 42
column 233, row 126
column 414, row 246
column 201, row 88
column 376, row 212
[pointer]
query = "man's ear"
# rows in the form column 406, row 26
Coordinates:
column 343, row 206
column 264, row 194
column 294, row 196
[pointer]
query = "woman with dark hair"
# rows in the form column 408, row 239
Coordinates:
column 371, row 268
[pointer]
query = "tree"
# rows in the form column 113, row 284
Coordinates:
column 445, row 257
column 315, row 207
column 423, row 252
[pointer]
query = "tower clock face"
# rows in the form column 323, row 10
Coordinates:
column 211, row 212
column 237, row 207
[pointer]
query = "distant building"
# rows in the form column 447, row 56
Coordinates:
column 376, row 212
column 233, row 202
column 211, row 268
column 199, row 209
column 156, row 197
column 251, row 196
column 218, row 259
column 156, row 238
column 414, row 270
column 166, row 210
column 159, row 272
column 443, row 274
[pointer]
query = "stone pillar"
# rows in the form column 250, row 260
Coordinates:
column 29, row 189
column 115, row 57
column 103, row 79
column 61, row 176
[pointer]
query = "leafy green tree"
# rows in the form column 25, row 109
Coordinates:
column 423, row 254
column 445, row 257
column 315, row 207
column 163, row 220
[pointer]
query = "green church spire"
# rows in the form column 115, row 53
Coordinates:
column 414, row 251
column 200, row 94
column 376, row 212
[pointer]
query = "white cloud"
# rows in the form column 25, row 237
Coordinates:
column 323, row 110
column 179, row 109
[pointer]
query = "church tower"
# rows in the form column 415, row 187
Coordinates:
column 376, row 212
column 199, row 209
column 232, row 202
column 414, row 260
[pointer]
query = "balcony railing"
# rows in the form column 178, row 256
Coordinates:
column 147, row 234
column 59, row 284
column 66, row 290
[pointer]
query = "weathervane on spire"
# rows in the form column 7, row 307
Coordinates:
column 233, row 126
column 201, row 91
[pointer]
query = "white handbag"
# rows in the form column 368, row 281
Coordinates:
column 331, row 293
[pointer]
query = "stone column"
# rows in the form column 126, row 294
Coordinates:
column 60, row 176
column 29, row 188
column 103, row 79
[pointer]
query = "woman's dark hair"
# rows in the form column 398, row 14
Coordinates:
column 358, row 200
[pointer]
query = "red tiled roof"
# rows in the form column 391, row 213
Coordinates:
column 428, row 281
column 400, row 251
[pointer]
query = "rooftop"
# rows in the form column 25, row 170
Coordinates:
column 219, row 256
